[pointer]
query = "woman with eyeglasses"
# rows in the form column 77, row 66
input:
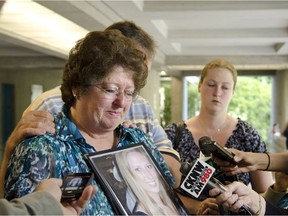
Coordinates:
column 103, row 74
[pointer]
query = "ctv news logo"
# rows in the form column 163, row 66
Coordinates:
column 197, row 178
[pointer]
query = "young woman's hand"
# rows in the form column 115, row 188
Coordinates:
column 246, row 162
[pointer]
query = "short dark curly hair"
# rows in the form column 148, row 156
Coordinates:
column 94, row 56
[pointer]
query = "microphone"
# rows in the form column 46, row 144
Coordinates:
column 203, row 144
column 197, row 177
column 208, row 147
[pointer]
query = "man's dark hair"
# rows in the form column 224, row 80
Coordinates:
column 136, row 33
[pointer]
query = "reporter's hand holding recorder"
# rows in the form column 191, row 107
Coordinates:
column 249, row 161
column 237, row 194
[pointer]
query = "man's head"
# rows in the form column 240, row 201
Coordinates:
column 142, row 39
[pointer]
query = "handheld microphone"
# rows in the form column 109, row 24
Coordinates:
column 198, row 177
column 208, row 146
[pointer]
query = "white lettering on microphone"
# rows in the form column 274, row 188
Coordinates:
column 197, row 178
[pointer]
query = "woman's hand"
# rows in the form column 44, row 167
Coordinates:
column 246, row 162
column 208, row 206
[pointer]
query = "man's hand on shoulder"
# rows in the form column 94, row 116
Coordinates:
column 32, row 123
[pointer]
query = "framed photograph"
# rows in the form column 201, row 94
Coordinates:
column 134, row 183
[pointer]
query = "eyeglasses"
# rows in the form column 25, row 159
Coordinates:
column 113, row 93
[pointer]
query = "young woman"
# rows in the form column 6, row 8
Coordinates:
column 216, row 87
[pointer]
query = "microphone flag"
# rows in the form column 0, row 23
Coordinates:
column 197, row 178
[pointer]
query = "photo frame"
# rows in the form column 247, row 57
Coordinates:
column 134, row 183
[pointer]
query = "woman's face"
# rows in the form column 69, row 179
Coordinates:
column 217, row 89
column 143, row 171
column 105, row 105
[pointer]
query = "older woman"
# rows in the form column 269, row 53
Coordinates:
column 103, row 74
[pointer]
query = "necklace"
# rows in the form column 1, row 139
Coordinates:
column 214, row 132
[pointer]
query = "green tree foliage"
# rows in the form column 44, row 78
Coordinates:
column 193, row 98
column 166, row 114
column 252, row 102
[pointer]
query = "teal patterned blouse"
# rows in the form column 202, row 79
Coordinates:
column 47, row 156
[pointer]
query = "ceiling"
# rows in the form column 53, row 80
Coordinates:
column 251, row 34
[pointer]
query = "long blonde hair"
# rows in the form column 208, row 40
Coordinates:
column 145, row 199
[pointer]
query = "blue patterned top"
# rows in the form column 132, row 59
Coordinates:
column 140, row 112
column 46, row 156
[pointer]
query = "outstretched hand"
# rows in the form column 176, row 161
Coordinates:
column 237, row 195
column 246, row 162
column 53, row 185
